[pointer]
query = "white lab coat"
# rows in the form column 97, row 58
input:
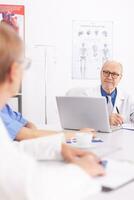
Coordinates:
column 124, row 101
column 23, row 178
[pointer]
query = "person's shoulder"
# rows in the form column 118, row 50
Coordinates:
column 93, row 90
column 122, row 93
column 76, row 91
column 5, row 108
column 83, row 91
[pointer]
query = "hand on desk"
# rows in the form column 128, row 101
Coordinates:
column 88, row 161
column 116, row 119
column 90, row 165
column 70, row 135
column 89, row 130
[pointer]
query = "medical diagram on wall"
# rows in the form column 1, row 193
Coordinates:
column 92, row 45
column 14, row 16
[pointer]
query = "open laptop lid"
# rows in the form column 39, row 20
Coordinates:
column 82, row 112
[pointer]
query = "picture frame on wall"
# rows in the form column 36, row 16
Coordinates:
column 14, row 15
column 92, row 45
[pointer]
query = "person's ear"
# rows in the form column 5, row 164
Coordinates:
column 14, row 78
column 120, row 76
column 13, row 72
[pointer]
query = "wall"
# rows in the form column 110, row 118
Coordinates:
column 49, row 23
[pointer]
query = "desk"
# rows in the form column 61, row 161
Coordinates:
column 123, row 140
column 117, row 145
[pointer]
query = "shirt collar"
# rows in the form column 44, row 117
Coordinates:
column 104, row 93
column 113, row 94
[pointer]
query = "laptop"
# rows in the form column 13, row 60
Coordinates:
column 82, row 112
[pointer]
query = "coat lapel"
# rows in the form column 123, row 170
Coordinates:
column 119, row 100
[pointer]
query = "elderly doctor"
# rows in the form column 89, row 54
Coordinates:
column 120, row 104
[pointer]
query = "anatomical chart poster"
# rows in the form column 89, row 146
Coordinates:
column 14, row 16
column 92, row 45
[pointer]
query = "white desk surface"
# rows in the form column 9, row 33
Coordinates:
column 118, row 145
column 123, row 142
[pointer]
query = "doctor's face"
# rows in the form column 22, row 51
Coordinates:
column 111, row 74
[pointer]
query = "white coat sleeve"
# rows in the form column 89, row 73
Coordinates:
column 14, row 169
column 84, row 91
column 77, row 92
column 43, row 148
column 61, row 181
column 21, row 178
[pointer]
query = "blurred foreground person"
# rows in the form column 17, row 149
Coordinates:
column 21, row 177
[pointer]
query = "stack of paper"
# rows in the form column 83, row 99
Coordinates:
column 129, row 126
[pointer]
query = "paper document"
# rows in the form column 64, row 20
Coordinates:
column 128, row 126
column 118, row 174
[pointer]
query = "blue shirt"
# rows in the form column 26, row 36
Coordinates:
column 113, row 95
column 12, row 120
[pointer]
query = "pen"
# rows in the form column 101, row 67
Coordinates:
column 103, row 163
column 97, row 140
column 117, row 110
column 71, row 141
column 120, row 118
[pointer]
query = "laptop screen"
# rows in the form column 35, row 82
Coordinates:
column 83, row 112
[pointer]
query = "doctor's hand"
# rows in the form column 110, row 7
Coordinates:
column 89, row 130
column 70, row 135
column 116, row 119
column 88, row 161
column 90, row 166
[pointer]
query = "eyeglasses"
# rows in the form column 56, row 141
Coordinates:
column 114, row 75
column 26, row 63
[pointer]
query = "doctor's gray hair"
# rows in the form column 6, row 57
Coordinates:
column 114, row 63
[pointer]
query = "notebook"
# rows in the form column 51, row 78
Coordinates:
column 80, row 112
column 128, row 126
column 118, row 174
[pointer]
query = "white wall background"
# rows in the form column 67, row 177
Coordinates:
column 49, row 23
